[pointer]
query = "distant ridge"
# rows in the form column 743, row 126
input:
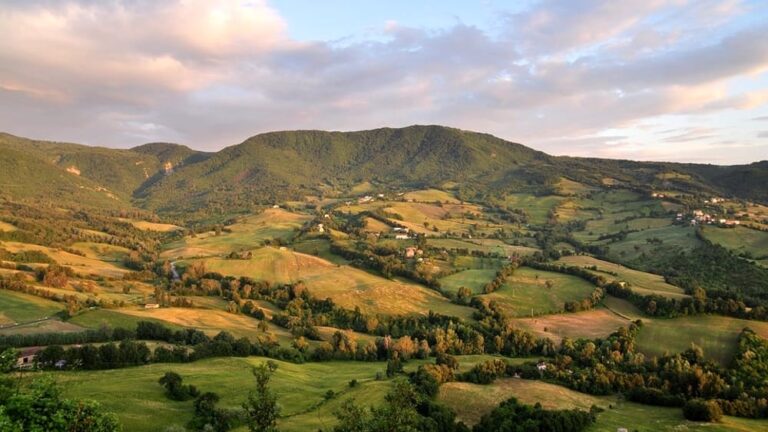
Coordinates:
column 277, row 166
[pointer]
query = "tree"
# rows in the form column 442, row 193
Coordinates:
column 398, row 414
column 41, row 408
column 702, row 410
column 174, row 388
column 261, row 409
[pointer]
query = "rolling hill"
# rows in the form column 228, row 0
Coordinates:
column 278, row 166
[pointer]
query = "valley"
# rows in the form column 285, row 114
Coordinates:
column 360, row 261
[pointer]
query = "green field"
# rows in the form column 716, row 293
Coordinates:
column 608, row 225
column 82, row 265
column 473, row 279
column 595, row 323
column 431, row 195
column 319, row 247
column 537, row 207
column 482, row 245
column 18, row 307
column 96, row 318
column 471, row 401
column 716, row 335
column 740, row 240
column 248, row 233
column 526, row 292
column 138, row 400
column 349, row 287
column 101, row 251
column 636, row 246
column 641, row 282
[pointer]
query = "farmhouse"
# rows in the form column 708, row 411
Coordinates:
column 151, row 306
column 411, row 252
column 401, row 237
column 27, row 357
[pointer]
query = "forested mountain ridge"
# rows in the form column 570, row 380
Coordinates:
column 275, row 166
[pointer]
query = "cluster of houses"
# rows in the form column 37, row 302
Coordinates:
column 413, row 252
column 699, row 217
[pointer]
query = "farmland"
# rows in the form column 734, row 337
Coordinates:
column 641, row 282
column 535, row 292
column 18, row 307
column 132, row 393
column 717, row 336
column 741, row 240
column 346, row 286
column 471, row 401
column 249, row 233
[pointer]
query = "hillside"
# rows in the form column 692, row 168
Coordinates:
column 274, row 167
column 83, row 175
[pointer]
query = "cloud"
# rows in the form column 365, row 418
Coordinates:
column 210, row 73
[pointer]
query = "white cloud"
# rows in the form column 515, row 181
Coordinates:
column 210, row 73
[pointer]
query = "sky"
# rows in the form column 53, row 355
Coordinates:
column 670, row 80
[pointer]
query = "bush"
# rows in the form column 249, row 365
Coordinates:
column 702, row 410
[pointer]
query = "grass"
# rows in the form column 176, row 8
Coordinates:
column 471, row 401
column 96, row 318
column 646, row 418
column 740, row 240
column 101, row 251
column 319, row 247
column 53, row 325
column 347, row 286
column 526, row 292
column 636, row 247
column 375, row 225
column 211, row 321
column 83, row 265
column 591, row 324
column 249, row 233
column 482, row 245
column 642, row 282
column 536, row 207
column 19, row 307
column 138, row 400
column 716, row 335
column 153, row 226
column 474, row 279
column 569, row 187
column 431, row 195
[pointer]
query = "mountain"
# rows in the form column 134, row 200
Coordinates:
column 272, row 167
column 280, row 165
column 82, row 175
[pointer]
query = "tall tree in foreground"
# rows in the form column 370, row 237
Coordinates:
column 398, row 414
column 41, row 407
column 261, row 410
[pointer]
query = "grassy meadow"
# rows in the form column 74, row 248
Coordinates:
column 472, row 401
column 248, row 233
column 139, row 401
column 716, row 335
column 18, row 307
column 526, row 292
column 740, row 240
column 642, row 282
column 349, row 287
